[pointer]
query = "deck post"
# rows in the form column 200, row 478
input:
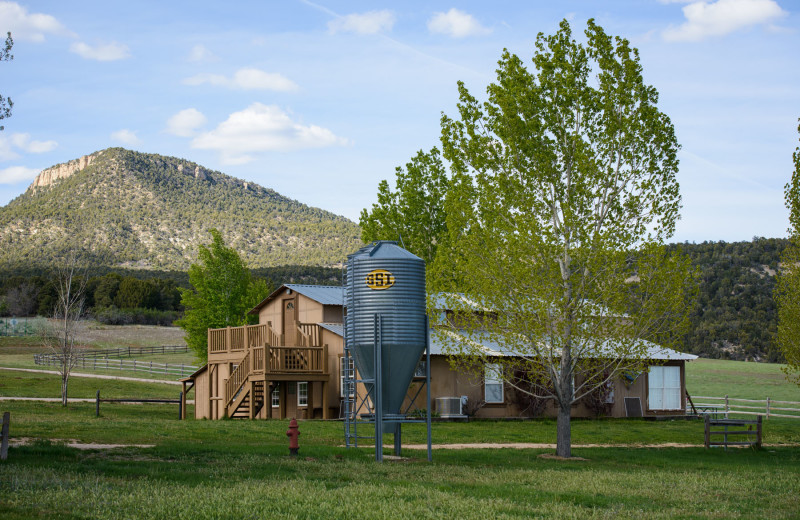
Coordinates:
column 224, row 397
column 325, row 412
column 268, row 399
column 4, row 436
column 251, row 402
column 310, row 400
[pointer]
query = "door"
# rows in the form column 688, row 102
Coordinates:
column 289, row 319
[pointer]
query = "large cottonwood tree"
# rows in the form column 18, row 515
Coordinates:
column 223, row 291
column 787, row 294
column 413, row 212
column 563, row 192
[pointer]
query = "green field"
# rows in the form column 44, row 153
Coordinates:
column 18, row 352
column 740, row 379
column 241, row 469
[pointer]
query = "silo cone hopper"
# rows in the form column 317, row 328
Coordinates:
column 387, row 281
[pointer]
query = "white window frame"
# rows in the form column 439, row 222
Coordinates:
column 342, row 371
column 302, row 393
column 275, row 397
column 664, row 387
column 492, row 378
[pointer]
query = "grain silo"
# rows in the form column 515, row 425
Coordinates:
column 385, row 327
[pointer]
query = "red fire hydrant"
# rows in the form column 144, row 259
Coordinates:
column 293, row 433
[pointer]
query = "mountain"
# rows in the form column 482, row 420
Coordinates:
column 145, row 211
column 735, row 316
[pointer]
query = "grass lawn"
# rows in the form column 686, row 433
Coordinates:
column 240, row 469
column 18, row 352
column 27, row 384
column 739, row 379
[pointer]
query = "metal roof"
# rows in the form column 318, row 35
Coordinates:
column 485, row 343
column 336, row 328
column 324, row 294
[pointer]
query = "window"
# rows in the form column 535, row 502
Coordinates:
column 493, row 383
column 302, row 394
column 276, row 397
column 664, row 388
column 346, row 369
column 420, row 370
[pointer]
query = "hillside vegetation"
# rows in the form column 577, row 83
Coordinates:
column 735, row 315
column 145, row 211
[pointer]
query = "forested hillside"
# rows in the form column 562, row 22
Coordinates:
column 121, row 208
column 735, row 315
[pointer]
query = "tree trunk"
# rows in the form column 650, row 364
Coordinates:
column 563, row 432
column 64, row 381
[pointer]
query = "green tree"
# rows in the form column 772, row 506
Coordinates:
column 563, row 193
column 5, row 102
column 223, row 290
column 788, row 287
column 415, row 211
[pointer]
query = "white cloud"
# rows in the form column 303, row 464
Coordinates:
column 186, row 122
column 706, row 19
column 456, row 24
column 16, row 174
column 262, row 128
column 28, row 26
column 10, row 145
column 102, row 52
column 245, row 79
column 201, row 53
column 126, row 136
column 371, row 22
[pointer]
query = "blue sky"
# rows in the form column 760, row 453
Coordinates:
column 321, row 100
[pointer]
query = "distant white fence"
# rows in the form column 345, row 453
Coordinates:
column 725, row 406
column 93, row 363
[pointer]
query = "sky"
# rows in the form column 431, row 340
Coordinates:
column 321, row 100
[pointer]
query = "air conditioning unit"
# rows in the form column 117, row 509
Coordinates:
column 450, row 407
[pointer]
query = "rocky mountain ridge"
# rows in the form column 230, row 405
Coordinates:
column 121, row 208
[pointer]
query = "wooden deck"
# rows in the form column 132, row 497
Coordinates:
column 260, row 357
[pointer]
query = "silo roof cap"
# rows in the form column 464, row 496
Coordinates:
column 384, row 249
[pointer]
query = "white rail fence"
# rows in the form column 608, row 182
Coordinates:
column 725, row 406
column 167, row 369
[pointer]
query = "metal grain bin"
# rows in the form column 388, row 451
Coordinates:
column 385, row 279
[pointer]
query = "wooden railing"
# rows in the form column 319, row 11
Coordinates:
column 308, row 334
column 237, row 379
column 298, row 359
column 239, row 339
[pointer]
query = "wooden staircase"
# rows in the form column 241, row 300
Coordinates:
column 248, row 402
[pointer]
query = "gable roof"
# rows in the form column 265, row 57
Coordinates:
column 324, row 294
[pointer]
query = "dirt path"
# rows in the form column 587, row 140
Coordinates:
column 94, row 376
column 541, row 446
column 72, row 443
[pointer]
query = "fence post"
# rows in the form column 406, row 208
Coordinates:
column 97, row 405
column 768, row 407
column 180, row 406
column 727, row 406
column 4, row 436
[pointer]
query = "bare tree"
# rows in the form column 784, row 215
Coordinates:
column 60, row 335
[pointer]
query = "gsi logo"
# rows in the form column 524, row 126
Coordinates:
column 380, row 279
